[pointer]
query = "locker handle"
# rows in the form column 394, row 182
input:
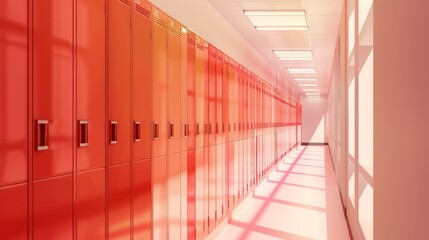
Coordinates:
column 113, row 132
column 171, row 124
column 83, row 133
column 205, row 128
column 155, row 130
column 137, row 132
column 217, row 128
column 42, row 135
column 186, row 129
column 197, row 132
column 223, row 127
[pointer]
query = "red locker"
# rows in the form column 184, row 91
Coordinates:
column 219, row 129
column 91, row 205
column 159, row 83
column 119, row 84
column 200, row 184
column 173, row 195
column 13, row 89
column 173, row 86
column 192, row 128
column 212, row 97
column 119, row 214
column 191, row 195
column 184, row 90
column 53, row 208
column 183, row 195
column 200, row 93
column 142, row 197
column 52, row 88
column 13, row 208
column 141, row 81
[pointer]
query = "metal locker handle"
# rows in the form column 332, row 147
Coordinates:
column 186, row 129
column 83, row 133
column 155, row 130
column 42, row 135
column 113, row 132
column 205, row 128
column 217, row 128
column 137, row 131
column 171, row 124
column 197, row 129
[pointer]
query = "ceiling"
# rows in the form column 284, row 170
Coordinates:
column 323, row 18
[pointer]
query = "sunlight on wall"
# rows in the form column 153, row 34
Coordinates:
column 319, row 133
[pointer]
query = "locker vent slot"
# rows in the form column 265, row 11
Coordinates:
column 200, row 46
column 160, row 22
column 143, row 11
column 191, row 41
column 127, row 2
column 174, row 31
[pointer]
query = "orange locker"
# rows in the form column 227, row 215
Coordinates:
column 212, row 152
column 142, row 197
column 199, row 93
column 173, row 85
column 191, row 201
column 200, row 184
column 159, row 83
column 173, row 195
column 119, row 84
column 141, row 81
column 141, row 121
column 14, row 155
column 192, row 127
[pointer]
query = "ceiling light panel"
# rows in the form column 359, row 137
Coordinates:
column 277, row 20
column 308, row 84
column 288, row 55
column 310, row 90
column 305, row 79
column 301, row 70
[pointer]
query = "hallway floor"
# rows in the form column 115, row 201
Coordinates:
column 298, row 200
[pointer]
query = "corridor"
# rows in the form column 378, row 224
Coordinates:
column 298, row 200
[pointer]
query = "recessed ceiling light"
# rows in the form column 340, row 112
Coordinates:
column 281, row 28
column 312, row 96
column 308, row 84
column 274, row 13
column 286, row 55
column 301, row 70
column 310, row 90
column 305, row 79
column 312, row 93
column 270, row 20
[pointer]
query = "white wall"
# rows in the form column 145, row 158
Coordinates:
column 313, row 119
column 204, row 20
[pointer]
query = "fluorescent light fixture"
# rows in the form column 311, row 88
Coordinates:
column 305, row 79
column 281, row 28
column 310, row 90
column 308, row 84
column 285, row 55
column 277, row 20
column 301, row 70
column 274, row 13
column 312, row 94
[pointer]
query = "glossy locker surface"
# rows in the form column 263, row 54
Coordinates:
column 118, row 204
column 159, row 83
column 52, row 85
column 53, row 208
column 13, row 92
column 173, row 195
column 184, row 90
column 91, row 205
column 119, row 86
column 191, row 194
column 90, row 99
column 159, row 198
column 141, row 82
column 13, row 219
column 191, row 91
column 183, row 195
column 199, row 193
column 142, row 198
column 199, row 92
column 173, row 85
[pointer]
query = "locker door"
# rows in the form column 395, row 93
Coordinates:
column 225, row 130
column 191, row 91
column 199, row 193
column 119, row 84
column 173, row 86
column 13, row 92
column 13, row 122
column 141, row 81
column 119, row 201
column 53, row 208
column 191, row 201
column 183, row 195
column 52, row 86
column 184, row 90
column 142, row 199
column 173, row 195
column 159, row 83
column 199, row 92
column 90, row 110
column 13, row 208
column 220, row 138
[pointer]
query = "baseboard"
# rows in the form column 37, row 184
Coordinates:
column 313, row 144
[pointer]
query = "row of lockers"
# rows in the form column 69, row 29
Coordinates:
column 117, row 122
